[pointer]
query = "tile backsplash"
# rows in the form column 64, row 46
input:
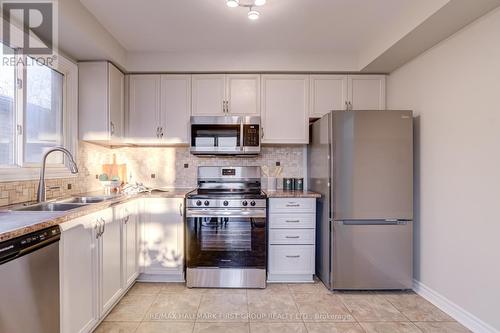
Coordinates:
column 171, row 167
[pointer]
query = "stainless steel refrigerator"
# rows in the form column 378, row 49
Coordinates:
column 362, row 164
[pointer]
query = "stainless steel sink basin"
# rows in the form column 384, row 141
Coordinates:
column 87, row 200
column 51, row 207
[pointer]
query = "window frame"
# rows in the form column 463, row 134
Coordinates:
column 22, row 170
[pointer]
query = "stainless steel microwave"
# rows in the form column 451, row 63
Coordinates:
column 225, row 135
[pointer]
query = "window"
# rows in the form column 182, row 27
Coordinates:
column 37, row 112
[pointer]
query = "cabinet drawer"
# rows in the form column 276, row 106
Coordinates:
column 292, row 221
column 292, row 236
column 291, row 259
column 292, row 205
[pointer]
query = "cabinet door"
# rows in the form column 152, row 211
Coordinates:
column 243, row 94
column 175, row 108
column 328, row 92
column 367, row 92
column 285, row 103
column 110, row 260
column 78, row 265
column 163, row 236
column 144, row 108
column 208, row 94
column 116, row 81
column 129, row 218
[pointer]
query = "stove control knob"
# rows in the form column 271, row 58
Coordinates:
column 252, row 203
column 225, row 203
column 207, row 203
column 245, row 203
column 198, row 203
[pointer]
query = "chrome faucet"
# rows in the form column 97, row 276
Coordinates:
column 41, row 195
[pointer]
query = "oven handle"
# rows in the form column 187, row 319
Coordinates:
column 226, row 213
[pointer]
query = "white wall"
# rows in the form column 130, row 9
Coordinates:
column 454, row 90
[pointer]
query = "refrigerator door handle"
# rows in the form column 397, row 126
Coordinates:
column 375, row 222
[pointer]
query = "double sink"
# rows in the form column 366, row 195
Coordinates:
column 65, row 204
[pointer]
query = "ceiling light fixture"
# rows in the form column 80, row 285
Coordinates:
column 252, row 14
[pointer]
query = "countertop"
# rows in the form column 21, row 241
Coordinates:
column 18, row 223
column 292, row 194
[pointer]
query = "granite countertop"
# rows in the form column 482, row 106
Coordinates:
column 292, row 194
column 18, row 223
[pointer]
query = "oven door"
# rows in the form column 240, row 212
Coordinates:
column 226, row 238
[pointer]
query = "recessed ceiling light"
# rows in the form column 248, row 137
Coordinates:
column 232, row 3
column 259, row 2
column 253, row 15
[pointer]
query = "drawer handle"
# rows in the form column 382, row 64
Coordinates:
column 292, row 221
column 297, row 256
column 293, row 205
column 292, row 236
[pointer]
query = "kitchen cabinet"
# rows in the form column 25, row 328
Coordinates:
column 78, row 271
column 129, row 217
column 110, row 257
column 292, row 238
column 346, row 92
column 159, row 109
column 162, row 240
column 285, row 109
column 101, row 102
column 226, row 94
column 366, row 92
column 144, row 108
column 328, row 92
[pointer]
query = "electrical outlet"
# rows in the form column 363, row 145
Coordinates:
column 69, row 186
column 186, row 165
column 278, row 163
column 96, row 176
column 153, row 175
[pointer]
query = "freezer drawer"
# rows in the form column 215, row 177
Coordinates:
column 372, row 254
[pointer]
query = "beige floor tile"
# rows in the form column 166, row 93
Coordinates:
column 174, row 307
column 223, row 308
column 313, row 288
column 272, row 307
column 334, row 328
column 441, row 327
column 117, row 327
column 277, row 328
column 165, row 327
column 370, row 307
column 145, row 288
column 390, row 327
column 131, row 308
column 417, row 308
column 322, row 307
column 180, row 288
column 221, row 328
column 271, row 288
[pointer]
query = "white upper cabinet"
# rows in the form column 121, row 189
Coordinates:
column 208, row 94
column 159, row 109
column 144, row 108
column 366, row 92
column 175, row 108
column 285, row 109
column 101, row 101
column 328, row 92
column 220, row 94
column 243, row 94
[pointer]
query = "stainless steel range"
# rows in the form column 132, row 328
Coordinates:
column 226, row 229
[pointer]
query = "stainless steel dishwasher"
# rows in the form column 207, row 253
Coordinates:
column 29, row 283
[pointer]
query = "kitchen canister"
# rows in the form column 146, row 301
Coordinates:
column 288, row 184
column 298, row 184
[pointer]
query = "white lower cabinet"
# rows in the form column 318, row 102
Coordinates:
column 162, row 240
column 98, row 262
column 292, row 238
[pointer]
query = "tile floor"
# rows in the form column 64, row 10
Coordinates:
column 300, row 308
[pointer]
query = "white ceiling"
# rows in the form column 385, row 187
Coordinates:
column 341, row 26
